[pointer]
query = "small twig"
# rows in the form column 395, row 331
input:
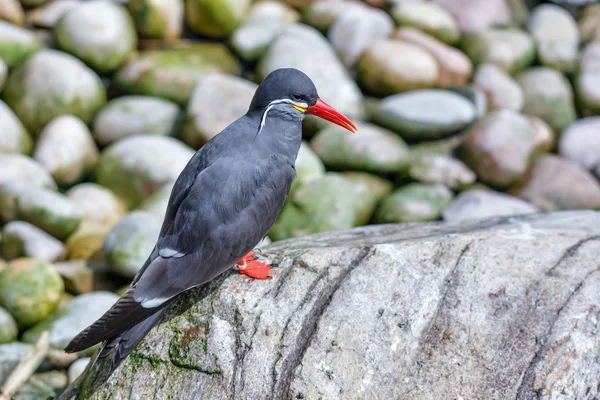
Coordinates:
column 26, row 367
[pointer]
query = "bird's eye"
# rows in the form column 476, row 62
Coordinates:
column 296, row 97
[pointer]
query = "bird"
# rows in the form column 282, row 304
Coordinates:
column 221, row 206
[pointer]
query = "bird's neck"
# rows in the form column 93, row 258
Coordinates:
column 280, row 133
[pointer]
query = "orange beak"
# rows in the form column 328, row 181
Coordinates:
column 325, row 111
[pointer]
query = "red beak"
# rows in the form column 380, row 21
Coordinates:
column 325, row 111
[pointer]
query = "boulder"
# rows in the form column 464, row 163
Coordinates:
column 216, row 17
column 414, row 202
column 427, row 17
column 477, row 204
column 16, row 43
column 21, row 239
column 47, row 15
column 587, row 83
column 15, row 138
column 8, row 328
column 580, row 142
column 158, row 19
column 384, row 311
column 501, row 90
column 18, row 168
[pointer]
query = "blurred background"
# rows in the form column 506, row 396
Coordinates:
column 465, row 108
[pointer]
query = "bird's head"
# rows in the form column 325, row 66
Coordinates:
column 291, row 86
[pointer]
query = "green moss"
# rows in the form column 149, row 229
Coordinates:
column 216, row 17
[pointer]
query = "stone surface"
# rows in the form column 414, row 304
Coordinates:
column 135, row 167
column 372, row 150
column 477, row 15
column 558, row 184
column 87, row 242
column 73, row 89
column 10, row 355
column 501, row 90
column 97, row 204
column 158, row 202
column 71, row 319
column 587, row 83
column 160, row 19
column 389, row 310
column 16, row 43
column 172, row 72
column 375, row 184
column 21, row 239
column 393, row 66
column 580, row 142
column 30, row 290
column 215, row 17
column 298, row 46
column 429, row 18
column 442, row 169
column 47, row 15
column 414, row 202
column 355, row 29
column 499, row 147
column 510, row 49
column 98, row 32
column 322, row 14
column 130, row 242
column 11, row 11
column 8, row 330
column 15, row 138
column 477, row 204
column 308, row 166
column 19, row 168
column 589, row 23
column 43, row 385
column 543, row 139
column 548, row 95
column 217, row 101
column 77, row 276
column 135, row 115
column 556, row 35
column 77, row 368
column 66, row 149
column 425, row 114
column 455, row 68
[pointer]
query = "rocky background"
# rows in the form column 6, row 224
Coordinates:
column 465, row 108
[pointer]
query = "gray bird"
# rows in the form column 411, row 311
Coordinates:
column 221, row 206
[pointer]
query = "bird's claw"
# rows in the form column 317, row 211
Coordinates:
column 249, row 265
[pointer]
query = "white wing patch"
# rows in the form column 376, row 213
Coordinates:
column 151, row 303
column 168, row 253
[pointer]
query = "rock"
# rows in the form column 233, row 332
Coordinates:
column 425, row 114
column 172, row 73
column 297, row 47
column 87, row 242
column 15, row 138
column 51, row 83
column 97, row 204
column 47, row 15
column 442, row 169
column 556, row 35
column 375, row 184
column 21, row 239
column 30, row 290
column 354, row 30
column 499, row 147
column 216, row 18
column 502, row 91
column 308, row 166
column 373, row 150
column 158, row 19
column 8, row 331
column 392, row 66
column 43, row 385
column 263, row 24
column 543, row 140
column 476, row 96
column 455, row 68
column 331, row 202
column 66, row 149
column 587, row 83
column 46, row 209
column 130, row 242
column 134, row 115
column 548, row 96
column 3, row 74
column 16, row 44
column 477, row 15
column 158, row 202
column 100, row 33
column 19, row 168
column 10, row 356
column 11, row 11
column 414, row 202
column 217, row 101
column 322, row 14
column 580, row 142
column 479, row 204
column 589, row 23
column 77, row 276
column 67, row 322
column 135, row 167
column 429, row 18
column 511, row 49
column 558, row 184
column 77, row 368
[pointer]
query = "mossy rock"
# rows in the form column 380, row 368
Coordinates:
column 16, row 43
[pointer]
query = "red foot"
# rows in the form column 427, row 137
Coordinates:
column 252, row 267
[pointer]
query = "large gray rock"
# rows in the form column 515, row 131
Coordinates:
column 487, row 309
column 477, row 203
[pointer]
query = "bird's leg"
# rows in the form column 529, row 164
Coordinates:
column 249, row 265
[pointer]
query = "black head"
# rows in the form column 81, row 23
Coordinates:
column 285, row 83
